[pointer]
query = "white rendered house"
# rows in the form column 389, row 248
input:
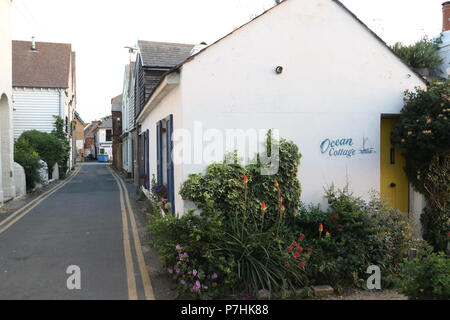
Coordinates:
column 7, row 185
column 309, row 69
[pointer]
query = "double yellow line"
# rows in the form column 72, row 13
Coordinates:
column 20, row 213
column 131, row 280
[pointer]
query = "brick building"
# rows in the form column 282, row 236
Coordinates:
column 79, row 137
column 116, row 111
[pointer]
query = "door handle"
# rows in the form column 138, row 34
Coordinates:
column 393, row 185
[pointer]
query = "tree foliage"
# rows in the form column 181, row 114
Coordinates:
column 28, row 158
column 422, row 54
column 60, row 133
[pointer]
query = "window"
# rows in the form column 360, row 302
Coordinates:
column 102, row 151
column 108, row 135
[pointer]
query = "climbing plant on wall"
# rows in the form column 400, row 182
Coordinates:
column 424, row 131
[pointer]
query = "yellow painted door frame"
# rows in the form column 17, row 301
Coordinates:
column 394, row 185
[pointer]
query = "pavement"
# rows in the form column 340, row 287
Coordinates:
column 79, row 239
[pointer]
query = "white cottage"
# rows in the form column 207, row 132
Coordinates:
column 44, row 86
column 104, row 138
column 309, row 69
column 7, row 185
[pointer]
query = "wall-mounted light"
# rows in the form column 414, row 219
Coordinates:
column 279, row 69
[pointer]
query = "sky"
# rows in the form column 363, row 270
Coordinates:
column 100, row 29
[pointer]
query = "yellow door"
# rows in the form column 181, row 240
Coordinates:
column 394, row 187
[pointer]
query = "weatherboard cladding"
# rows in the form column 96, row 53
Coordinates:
column 34, row 110
column 155, row 59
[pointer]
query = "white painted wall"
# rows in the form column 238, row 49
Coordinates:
column 20, row 180
column 103, row 144
column 128, row 117
column 338, row 79
column 445, row 54
column 7, row 186
column 171, row 104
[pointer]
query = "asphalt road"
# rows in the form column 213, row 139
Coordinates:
column 85, row 223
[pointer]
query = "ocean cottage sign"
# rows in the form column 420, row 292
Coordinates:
column 343, row 147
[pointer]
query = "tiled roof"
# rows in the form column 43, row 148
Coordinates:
column 47, row 67
column 106, row 122
column 163, row 54
column 90, row 129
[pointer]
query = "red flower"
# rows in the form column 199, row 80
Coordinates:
column 309, row 250
column 299, row 248
column 398, row 264
column 294, row 213
column 320, row 227
column 245, row 178
column 287, row 265
column 302, row 264
column 297, row 255
column 263, row 206
column 289, row 249
column 294, row 243
column 331, row 218
column 283, row 208
column 302, row 236
column 276, row 183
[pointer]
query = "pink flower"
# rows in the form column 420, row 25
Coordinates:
column 302, row 264
column 178, row 247
column 289, row 249
column 170, row 271
column 398, row 264
column 194, row 272
column 183, row 282
column 287, row 265
column 214, row 276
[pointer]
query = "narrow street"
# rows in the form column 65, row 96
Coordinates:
column 85, row 220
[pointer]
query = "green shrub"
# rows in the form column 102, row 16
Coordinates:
column 28, row 158
column 427, row 277
column 48, row 147
column 231, row 235
column 424, row 131
column 422, row 54
column 355, row 234
column 64, row 153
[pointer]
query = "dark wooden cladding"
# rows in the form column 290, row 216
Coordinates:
column 147, row 79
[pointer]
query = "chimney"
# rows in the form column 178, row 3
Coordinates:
column 446, row 16
column 33, row 44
